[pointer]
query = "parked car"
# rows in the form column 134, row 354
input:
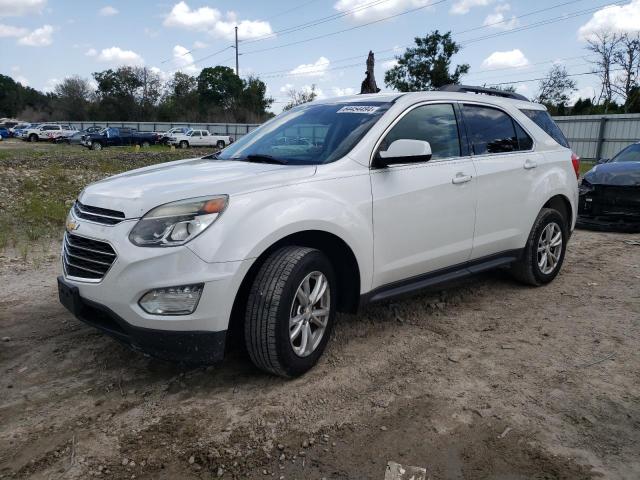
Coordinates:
column 19, row 126
column 76, row 138
column 199, row 138
column 396, row 193
column 610, row 193
column 19, row 130
column 164, row 136
column 118, row 137
column 47, row 131
column 4, row 132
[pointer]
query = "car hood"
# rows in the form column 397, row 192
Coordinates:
column 617, row 174
column 138, row 191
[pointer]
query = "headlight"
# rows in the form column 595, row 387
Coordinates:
column 178, row 222
column 585, row 187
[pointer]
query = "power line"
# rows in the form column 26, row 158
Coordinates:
column 285, row 12
column 315, row 22
column 474, row 40
column 345, row 29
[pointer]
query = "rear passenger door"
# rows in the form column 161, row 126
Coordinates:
column 423, row 213
column 506, row 169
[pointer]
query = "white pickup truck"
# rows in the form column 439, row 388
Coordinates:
column 48, row 131
column 200, row 138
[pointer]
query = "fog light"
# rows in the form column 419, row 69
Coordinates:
column 172, row 300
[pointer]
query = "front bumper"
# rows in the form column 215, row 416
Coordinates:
column 111, row 303
column 610, row 208
column 191, row 347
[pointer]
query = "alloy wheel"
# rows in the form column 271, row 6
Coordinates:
column 549, row 248
column 309, row 314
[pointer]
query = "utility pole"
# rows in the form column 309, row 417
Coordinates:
column 237, row 66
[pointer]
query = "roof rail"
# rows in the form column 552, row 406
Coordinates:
column 486, row 91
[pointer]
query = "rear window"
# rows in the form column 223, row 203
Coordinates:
column 546, row 123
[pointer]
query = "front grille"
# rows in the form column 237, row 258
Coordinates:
column 614, row 199
column 86, row 258
column 97, row 214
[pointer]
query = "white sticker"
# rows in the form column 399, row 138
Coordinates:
column 368, row 109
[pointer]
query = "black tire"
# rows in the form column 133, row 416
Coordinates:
column 184, row 144
column 33, row 138
column 527, row 270
column 220, row 144
column 145, row 144
column 96, row 146
column 269, row 304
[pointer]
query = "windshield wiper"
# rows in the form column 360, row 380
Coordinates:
column 261, row 158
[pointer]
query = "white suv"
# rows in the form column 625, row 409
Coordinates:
column 387, row 194
column 48, row 131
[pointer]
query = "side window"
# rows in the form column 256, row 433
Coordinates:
column 490, row 130
column 205, row 133
column 435, row 124
column 196, row 133
column 546, row 123
column 525, row 142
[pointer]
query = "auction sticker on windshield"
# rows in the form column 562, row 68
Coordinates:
column 358, row 109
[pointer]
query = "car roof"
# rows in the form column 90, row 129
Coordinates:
column 414, row 97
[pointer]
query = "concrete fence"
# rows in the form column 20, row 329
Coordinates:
column 600, row 136
column 235, row 130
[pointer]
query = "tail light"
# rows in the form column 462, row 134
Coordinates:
column 575, row 161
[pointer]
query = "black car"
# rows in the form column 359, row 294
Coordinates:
column 610, row 193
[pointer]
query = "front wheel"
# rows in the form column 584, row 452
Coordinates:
column 145, row 144
column 33, row 137
column 184, row 144
column 545, row 249
column 96, row 146
column 290, row 311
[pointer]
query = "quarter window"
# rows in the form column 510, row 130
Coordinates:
column 492, row 131
column 435, row 124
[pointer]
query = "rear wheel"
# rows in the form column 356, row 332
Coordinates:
column 290, row 311
column 184, row 144
column 220, row 144
column 544, row 253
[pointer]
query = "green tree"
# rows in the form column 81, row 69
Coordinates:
column 72, row 97
column 254, row 101
column 427, row 66
column 117, row 93
column 17, row 100
column 219, row 89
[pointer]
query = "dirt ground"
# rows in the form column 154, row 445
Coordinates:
column 488, row 379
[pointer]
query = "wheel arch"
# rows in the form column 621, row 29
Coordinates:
column 337, row 250
column 561, row 204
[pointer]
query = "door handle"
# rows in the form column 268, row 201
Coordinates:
column 529, row 164
column 461, row 178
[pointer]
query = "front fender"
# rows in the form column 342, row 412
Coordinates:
column 255, row 221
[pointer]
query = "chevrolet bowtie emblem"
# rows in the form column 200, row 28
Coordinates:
column 72, row 226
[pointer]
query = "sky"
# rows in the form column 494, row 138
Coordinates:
column 299, row 43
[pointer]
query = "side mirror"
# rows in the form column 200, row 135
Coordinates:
column 602, row 160
column 403, row 151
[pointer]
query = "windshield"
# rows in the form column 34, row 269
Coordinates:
column 629, row 154
column 309, row 134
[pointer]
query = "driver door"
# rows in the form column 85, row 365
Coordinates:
column 424, row 213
